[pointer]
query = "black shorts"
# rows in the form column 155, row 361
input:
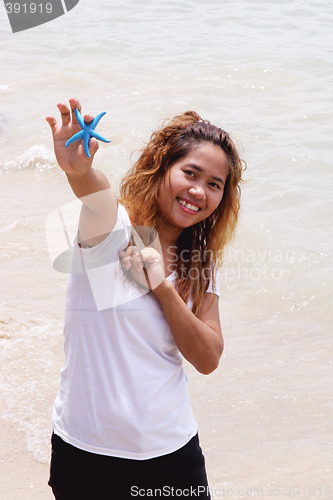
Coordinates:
column 79, row 475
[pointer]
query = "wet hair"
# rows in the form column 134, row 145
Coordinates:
column 139, row 191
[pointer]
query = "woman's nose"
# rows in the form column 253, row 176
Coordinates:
column 198, row 192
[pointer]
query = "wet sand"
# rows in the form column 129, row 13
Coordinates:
column 21, row 476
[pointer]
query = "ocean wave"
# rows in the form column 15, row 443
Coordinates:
column 30, row 365
column 8, row 227
column 37, row 157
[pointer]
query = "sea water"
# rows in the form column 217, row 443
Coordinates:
column 263, row 71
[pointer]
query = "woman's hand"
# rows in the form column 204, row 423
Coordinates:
column 145, row 266
column 72, row 160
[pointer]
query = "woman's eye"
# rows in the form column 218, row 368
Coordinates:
column 189, row 172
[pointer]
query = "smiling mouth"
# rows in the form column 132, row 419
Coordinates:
column 188, row 206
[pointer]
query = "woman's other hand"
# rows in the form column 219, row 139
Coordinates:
column 145, row 266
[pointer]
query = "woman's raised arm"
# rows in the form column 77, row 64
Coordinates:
column 99, row 205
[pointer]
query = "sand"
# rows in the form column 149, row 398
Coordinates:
column 21, row 476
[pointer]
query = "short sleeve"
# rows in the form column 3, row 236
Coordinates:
column 106, row 252
column 102, row 266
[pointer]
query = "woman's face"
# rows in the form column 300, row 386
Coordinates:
column 193, row 186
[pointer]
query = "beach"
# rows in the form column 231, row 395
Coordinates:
column 263, row 72
column 22, row 476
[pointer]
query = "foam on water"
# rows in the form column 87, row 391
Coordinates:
column 28, row 347
column 36, row 157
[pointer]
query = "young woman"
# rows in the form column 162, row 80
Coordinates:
column 143, row 293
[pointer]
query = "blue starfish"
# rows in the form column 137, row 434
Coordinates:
column 88, row 131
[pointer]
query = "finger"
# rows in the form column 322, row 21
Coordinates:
column 65, row 114
column 74, row 103
column 82, row 152
column 93, row 147
column 130, row 250
column 126, row 261
column 137, row 262
column 132, row 259
column 88, row 118
column 150, row 255
column 124, row 253
column 52, row 122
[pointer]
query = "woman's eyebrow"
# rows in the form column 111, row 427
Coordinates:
column 218, row 179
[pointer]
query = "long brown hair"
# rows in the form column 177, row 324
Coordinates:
column 140, row 188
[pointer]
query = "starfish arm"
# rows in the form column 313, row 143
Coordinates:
column 88, row 131
column 76, row 137
column 98, row 136
column 96, row 120
column 79, row 118
column 86, row 139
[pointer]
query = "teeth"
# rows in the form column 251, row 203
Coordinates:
column 188, row 205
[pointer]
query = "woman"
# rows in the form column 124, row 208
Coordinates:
column 142, row 292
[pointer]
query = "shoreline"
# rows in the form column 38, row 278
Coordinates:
column 21, row 475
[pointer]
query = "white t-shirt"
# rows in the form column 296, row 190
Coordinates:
column 123, row 389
